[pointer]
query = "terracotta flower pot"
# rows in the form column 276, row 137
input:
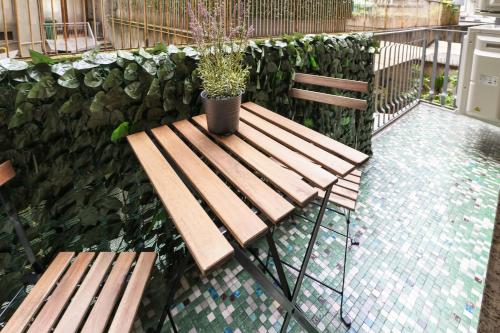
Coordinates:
column 223, row 115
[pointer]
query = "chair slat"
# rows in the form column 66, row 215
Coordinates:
column 58, row 300
column 327, row 160
column 274, row 206
column 340, row 200
column 99, row 316
column 333, row 146
column 356, row 173
column 345, row 192
column 6, row 172
column 342, row 101
column 311, row 171
column 353, row 179
column 40, row 291
column 296, row 189
column 331, row 82
column 240, row 220
column 349, row 185
column 127, row 310
column 203, row 239
column 73, row 317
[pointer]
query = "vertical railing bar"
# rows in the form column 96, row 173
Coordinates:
column 121, row 19
column 380, row 87
column 434, row 66
column 129, row 15
column 41, row 24
column 5, row 34
column 461, row 39
column 84, row 9
column 444, row 93
column 103, row 22
column 75, row 27
column 422, row 64
column 31, row 24
column 94, row 18
column 162, row 2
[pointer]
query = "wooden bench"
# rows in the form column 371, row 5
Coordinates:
column 85, row 292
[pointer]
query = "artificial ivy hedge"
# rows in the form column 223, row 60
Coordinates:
column 62, row 124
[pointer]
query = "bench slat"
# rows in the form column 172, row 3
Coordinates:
column 327, row 160
column 342, row 101
column 243, row 224
column 99, row 316
column 58, row 300
column 6, row 172
column 127, row 310
column 260, row 194
column 296, row 189
column 331, row 82
column 308, row 134
column 77, row 309
column 311, row 171
column 40, row 291
column 203, row 239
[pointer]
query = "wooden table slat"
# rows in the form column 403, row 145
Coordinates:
column 329, row 161
column 260, row 194
column 240, row 220
column 296, row 189
column 309, row 170
column 203, row 239
column 99, row 316
column 351, row 154
column 340, row 200
column 58, row 300
column 34, row 300
column 353, row 179
column 345, row 192
column 127, row 310
column 74, row 314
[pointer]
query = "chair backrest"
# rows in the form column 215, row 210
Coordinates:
column 6, row 172
column 330, row 82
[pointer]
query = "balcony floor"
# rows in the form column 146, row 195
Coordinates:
column 424, row 220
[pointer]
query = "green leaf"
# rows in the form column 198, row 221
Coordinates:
column 134, row 90
column 98, row 103
column 145, row 54
column 83, row 65
column 95, row 77
column 131, row 72
column 166, row 70
column 39, row 58
column 90, row 56
column 114, row 79
column 125, row 55
column 160, row 47
column 149, row 66
column 43, row 89
column 69, row 79
column 120, row 132
column 13, row 64
column 61, row 68
column 105, row 58
column 23, row 115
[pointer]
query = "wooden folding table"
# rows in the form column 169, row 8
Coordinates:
column 272, row 165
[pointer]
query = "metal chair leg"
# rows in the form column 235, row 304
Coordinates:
column 345, row 319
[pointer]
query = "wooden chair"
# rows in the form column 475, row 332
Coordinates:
column 345, row 193
column 85, row 292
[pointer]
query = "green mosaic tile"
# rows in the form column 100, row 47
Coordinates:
column 424, row 220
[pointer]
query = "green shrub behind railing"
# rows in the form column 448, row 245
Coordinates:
column 62, row 125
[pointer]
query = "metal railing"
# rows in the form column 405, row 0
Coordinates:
column 414, row 65
column 69, row 37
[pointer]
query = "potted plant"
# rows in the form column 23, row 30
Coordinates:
column 221, row 41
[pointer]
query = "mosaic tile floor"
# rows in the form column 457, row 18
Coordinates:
column 424, row 220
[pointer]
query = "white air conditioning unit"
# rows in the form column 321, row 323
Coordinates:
column 479, row 79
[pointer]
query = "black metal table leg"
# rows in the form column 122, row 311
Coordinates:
column 171, row 294
column 307, row 257
column 275, row 293
column 345, row 319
